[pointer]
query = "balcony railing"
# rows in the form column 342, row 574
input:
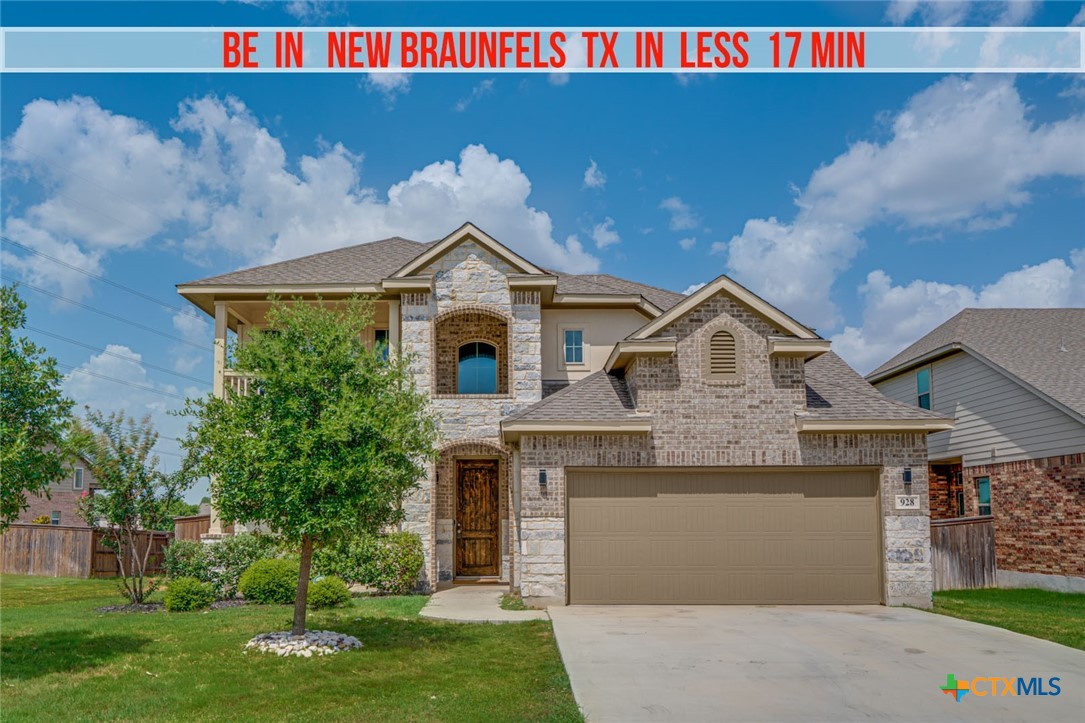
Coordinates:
column 237, row 381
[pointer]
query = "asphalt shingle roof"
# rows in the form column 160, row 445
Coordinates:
column 361, row 264
column 607, row 284
column 597, row 397
column 1045, row 348
column 836, row 391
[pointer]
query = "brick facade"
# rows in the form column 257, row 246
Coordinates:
column 1039, row 511
column 749, row 422
column 63, row 498
column 458, row 326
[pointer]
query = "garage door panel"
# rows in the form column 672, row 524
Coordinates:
column 744, row 536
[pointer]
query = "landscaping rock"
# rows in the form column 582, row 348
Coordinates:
column 314, row 642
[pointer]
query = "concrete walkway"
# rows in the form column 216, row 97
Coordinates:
column 804, row 663
column 476, row 604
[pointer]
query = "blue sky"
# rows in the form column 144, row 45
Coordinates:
column 872, row 207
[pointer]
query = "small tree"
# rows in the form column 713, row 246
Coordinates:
column 38, row 437
column 132, row 495
column 330, row 440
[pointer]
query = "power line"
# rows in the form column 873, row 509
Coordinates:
column 125, row 382
column 105, row 313
column 96, row 277
column 114, row 354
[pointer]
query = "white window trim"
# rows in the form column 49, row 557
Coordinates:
column 55, row 518
column 585, row 333
column 930, row 385
column 79, row 479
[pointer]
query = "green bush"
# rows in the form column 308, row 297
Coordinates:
column 327, row 592
column 187, row 593
column 391, row 563
column 221, row 563
column 270, row 582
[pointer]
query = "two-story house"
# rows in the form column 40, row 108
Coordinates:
column 1014, row 380
column 605, row 441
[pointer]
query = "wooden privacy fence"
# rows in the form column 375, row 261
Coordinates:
column 67, row 551
column 191, row 527
column 963, row 553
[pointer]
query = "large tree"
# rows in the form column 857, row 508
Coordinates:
column 38, row 436
column 330, row 438
column 132, row 495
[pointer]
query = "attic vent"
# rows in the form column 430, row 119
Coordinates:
column 722, row 361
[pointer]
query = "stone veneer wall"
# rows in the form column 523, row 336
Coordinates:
column 749, row 422
column 1039, row 511
column 467, row 278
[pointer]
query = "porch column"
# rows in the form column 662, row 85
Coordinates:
column 219, row 386
column 219, row 390
column 393, row 324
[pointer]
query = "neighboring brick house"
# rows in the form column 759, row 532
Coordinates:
column 1014, row 380
column 62, row 504
column 608, row 441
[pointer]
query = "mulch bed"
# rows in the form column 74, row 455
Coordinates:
column 156, row 607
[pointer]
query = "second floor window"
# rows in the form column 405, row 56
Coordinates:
column 574, row 346
column 477, row 371
column 78, row 483
column 923, row 388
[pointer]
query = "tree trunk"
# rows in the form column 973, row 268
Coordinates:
column 303, row 586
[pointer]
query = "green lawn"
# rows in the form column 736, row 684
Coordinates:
column 1055, row 616
column 61, row 660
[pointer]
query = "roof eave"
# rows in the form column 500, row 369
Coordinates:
column 808, row 424
column 512, row 430
column 626, row 350
column 944, row 350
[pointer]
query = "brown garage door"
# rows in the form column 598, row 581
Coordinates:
column 723, row 536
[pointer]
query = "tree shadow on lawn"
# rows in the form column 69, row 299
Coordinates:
column 389, row 633
column 24, row 657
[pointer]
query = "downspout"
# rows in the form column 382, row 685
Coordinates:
column 516, row 507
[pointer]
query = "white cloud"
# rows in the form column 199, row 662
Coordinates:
column 593, row 177
column 937, row 13
column 895, row 316
column 390, row 85
column 604, row 234
column 484, row 88
column 694, row 287
column 576, row 56
column 225, row 183
column 309, row 11
column 1079, row 19
column 688, row 243
column 682, row 216
column 960, row 155
column 137, row 396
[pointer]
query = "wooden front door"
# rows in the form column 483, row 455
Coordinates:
column 477, row 550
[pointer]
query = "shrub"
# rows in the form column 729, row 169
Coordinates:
column 41, row 520
column 220, row 563
column 187, row 593
column 327, row 592
column 391, row 563
column 270, row 582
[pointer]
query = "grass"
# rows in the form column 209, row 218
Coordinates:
column 512, row 602
column 62, row 660
column 1055, row 616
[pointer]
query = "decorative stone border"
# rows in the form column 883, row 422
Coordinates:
column 314, row 642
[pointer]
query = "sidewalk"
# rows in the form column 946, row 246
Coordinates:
column 476, row 604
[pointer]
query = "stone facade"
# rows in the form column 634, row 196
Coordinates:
column 1039, row 511
column 469, row 283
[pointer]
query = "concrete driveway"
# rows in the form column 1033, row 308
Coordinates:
column 712, row 663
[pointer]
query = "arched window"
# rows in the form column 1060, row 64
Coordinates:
column 721, row 358
column 477, row 371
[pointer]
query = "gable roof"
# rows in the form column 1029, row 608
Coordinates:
column 463, row 233
column 835, row 391
column 1043, row 349
column 366, row 263
column 738, row 292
